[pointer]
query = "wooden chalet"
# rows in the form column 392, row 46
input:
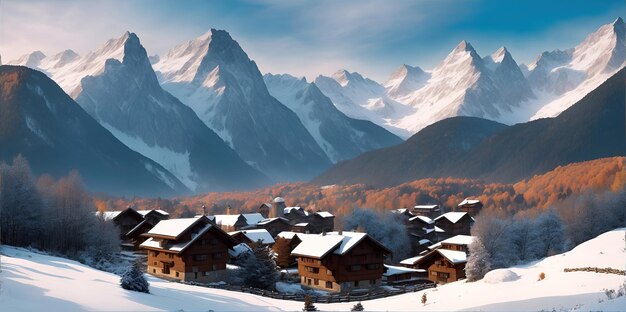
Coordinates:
column 340, row 261
column 252, row 237
column 454, row 223
column 321, row 221
column 431, row 211
column 264, row 210
column 125, row 220
column 151, row 218
column 273, row 225
column 296, row 215
column 236, row 222
column 188, row 249
column 403, row 275
column 471, row 206
column 446, row 262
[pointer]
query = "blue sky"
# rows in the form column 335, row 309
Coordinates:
column 307, row 38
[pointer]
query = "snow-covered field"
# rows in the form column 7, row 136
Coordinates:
column 34, row 282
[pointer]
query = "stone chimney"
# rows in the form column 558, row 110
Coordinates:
column 204, row 212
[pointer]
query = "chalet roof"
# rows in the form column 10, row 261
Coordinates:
column 230, row 220
column 288, row 210
column 468, row 201
column 173, row 227
column 424, row 242
column 239, row 249
column 137, row 227
column 286, row 234
column 453, row 255
column 459, row 240
column 425, row 219
column 108, row 215
column 453, row 217
column 426, row 206
column 318, row 246
column 269, row 220
column 412, row 260
column 391, row 270
column 255, row 235
column 325, row 214
column 400, row 210
column 145, row 212
column 301, row 224
column 178, row 247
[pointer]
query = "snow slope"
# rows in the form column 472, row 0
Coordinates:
column 34, row 282
column 339, row 136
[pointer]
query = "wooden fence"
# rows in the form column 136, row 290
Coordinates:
column 330, row 298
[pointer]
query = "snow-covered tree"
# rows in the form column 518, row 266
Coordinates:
column 551, row 232
column 478, row 261
column 526, row 240
column 258, row 269
column 357, row 307
column 134, row 280
column 308, row 304
column 387, row 228
column 103, row 244
column 495, row 235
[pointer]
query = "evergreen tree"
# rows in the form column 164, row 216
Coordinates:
column 134, row 280
column 258, row 269
column 308, row 304
column 357, row 307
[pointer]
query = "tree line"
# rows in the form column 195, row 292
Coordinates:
column 56, row 216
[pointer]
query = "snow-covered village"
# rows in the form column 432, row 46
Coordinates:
column 361, row 155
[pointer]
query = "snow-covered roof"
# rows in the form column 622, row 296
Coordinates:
column 287, row 234
column 239, row 249
column 108, row 215
column 468, row 201
column 459, row 240
column 395, row 270
column 412, row 260
column 425, row 219
column 287, row 210
column 324, row 214
column 399, row 210
column 279, row 200
column 178, row 246
column 426, row 206
column 137, row 227
column 301, row 224
column 439, row 230
column 255, row 235
column 172, row 227
column 453, row 255
column 453, row 217
column 230, row 220
column 317, row 246
column 145, row 212
column 424, row 242
column 268, row 220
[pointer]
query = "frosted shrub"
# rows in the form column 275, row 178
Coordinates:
column 134, row 280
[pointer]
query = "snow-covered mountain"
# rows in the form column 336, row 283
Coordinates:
column 339, row 136
column 214, row 76
column 493, row 87
column 117, row 86
column 47, row 127
column 405, row 80
column 126, row 98
column 362, row 98
column 564, row 77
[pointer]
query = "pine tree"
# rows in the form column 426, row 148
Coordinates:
column 357, row 307
column 258, row 269
column 308, row 304
column 134, row 280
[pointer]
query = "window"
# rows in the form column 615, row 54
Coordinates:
column 312, row 269
column 354, row 268
column 200, row 257
column 155, row 253
column 308, row 281
column 373, row 282
column 176, row 274
column 433, row 273
column 356, row 283
column 329, row 285
column 171, row 256
column 373, row 266
column 316, row 281
column 195, row 275
column 153, row 270
column 155, row 263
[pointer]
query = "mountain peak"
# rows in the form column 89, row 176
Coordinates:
column 464, row 46
column 343, row 77
column 500, row 54
column 618, row 21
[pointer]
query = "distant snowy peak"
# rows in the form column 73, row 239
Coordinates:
column 404, row 80
column 182, row 62
column 31, row 60
column 603, row 50
column 355, row 80
column 60, row 59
